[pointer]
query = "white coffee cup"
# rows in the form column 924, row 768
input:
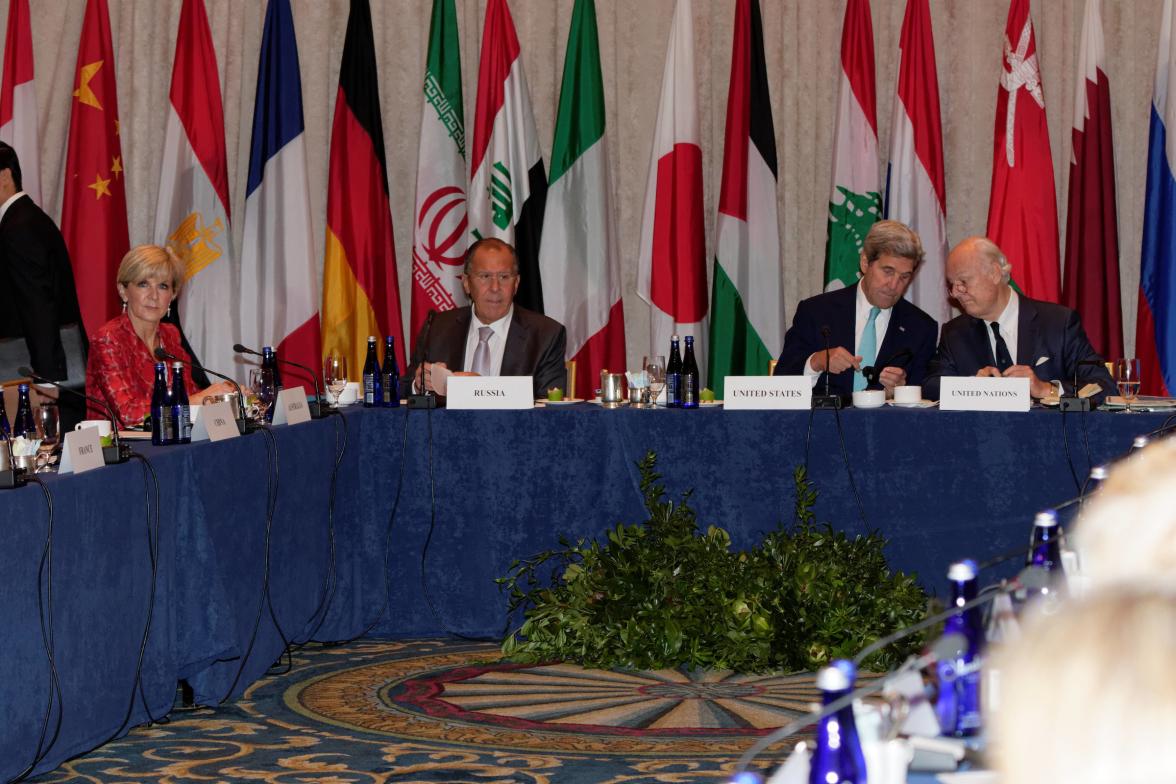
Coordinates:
column 869, row 398
column 908, row 394
column 350, row 393
column 103, row 425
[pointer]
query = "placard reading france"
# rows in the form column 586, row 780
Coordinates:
column 767, row 392
column 971, row 393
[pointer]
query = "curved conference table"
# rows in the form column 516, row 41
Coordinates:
column 939, row 485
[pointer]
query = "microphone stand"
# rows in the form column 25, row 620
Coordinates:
column 427, row 399
column 117, row 452
column 317, row 409
column 244, row 424
column 827, row 400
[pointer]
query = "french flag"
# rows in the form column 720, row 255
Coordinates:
column 1155, row 344
column 18, row 98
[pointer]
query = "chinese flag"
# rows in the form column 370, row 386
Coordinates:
column 94, row 206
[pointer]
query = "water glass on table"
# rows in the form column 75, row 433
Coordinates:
column 335, row 376
column 261, row 384
column 49, row 419
column 655, row 374
column 1127, row 378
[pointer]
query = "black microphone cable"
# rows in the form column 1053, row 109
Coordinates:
column 848, row 470
column 271, row 512
column 1069, row 458
column 153, row 554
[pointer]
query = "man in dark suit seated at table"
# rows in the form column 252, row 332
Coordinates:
column 870, row 316
column 493, row 336
column 1003, row 333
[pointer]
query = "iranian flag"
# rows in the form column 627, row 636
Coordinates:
column 579, row 260
column 915, row 192
column 18, row 98
column 856, row 201
column 440, row 229
column 747, row 295
column 1022, row 212
column 671, row 272
column 508, row 187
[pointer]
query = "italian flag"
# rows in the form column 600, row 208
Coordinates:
column 18, row 98
column 579, row 260
column 747, row 293
column 856, row 202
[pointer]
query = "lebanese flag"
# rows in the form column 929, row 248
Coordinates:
column 440, row 226
column 1022, row 213
column 579, row 259
column 747, row 296
column 856, row 200
column 507, row 185
column 671, row 272
column 915, row 192
column 94, row 203
column 1155, row 330
column 361, row 294
column 279, row 288
column 1091, row 284
column 192, row 213
column 18, row 98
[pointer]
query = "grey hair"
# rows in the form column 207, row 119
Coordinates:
column 891, row 238
column 492, row 243
column 991, row 251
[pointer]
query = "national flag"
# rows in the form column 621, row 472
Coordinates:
column 361, row 295
column 915, row 191
column 671, row 271
column 18, row 98
column 507, row 185
column 747, row 295
column 1091, row 277
column 1022, row 211
column 279, row 288
column 192, row 213
column 579, row 259
column 440, row 226
column 1155, row 330
column 94, row 202
column 856, row 201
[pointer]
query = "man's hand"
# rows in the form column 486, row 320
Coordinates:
column 426, row 370
column 840, row 360
column 1037, row 388
column 892, row 377
column 988, row 372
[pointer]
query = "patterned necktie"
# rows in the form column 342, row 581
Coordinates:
column 867, row 349
column 1004, row 360
column 481, row 364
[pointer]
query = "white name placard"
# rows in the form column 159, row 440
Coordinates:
column 490, row 392
column 743, row 393
column 216, row 423
column 81, row 452
column 290, row 408
column 972, row 393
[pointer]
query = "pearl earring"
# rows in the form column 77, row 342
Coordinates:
column 124, row 306
column 169, row 311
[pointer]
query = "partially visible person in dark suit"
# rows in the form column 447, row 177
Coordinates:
column 867, row 323
column 493, row 336
column 1003, row 333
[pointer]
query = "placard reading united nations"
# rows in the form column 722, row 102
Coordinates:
column 972, row 393
column 745, row 393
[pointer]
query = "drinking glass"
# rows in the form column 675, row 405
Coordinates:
column 335, row 376
column 50, row 420
column 261, row 384
column 1127, row 377
column 655, row 373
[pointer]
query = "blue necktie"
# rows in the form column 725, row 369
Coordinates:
column 867, row 349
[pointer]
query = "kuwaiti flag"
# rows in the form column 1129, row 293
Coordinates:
column 747, row 296
column 856, row 201
column 671, row 272
column 1091, row 277
column 18, row 98
column 1155, row 330
column 579, row 259
column 440, row 227
column 915, row 192
column 361, row 295
column 1022, row 213
column 192, row 213
column 508, row 187
column 279, row 288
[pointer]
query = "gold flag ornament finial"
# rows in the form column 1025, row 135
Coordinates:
column 84, row 94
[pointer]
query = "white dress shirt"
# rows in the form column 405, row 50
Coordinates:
column 497, row 342
column 861, row 316
column 8, row 203
column 1008, row 326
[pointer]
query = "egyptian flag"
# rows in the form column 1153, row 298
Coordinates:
column 361, row 296
column 508, row 187
column 18, row 98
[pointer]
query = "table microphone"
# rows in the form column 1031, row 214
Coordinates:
column 244, row 425
column 1071, row 402
column 316, row 408
column 116, row 452
column 872, row 372
column 427, row 399
column 827, row 400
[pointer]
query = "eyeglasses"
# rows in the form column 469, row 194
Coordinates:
column 485, row 278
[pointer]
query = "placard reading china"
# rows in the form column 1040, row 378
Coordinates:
column 971, row 393
column 767, row 392
column 490, row 392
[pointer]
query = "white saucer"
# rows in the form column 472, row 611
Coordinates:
column 916, row 404
column 567, row 401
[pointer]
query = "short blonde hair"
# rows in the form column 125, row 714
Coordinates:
column 151, row 261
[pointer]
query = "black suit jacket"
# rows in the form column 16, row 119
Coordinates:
column 910, row 328
column 37, row 295
column 1047, row 333
column 535, row 346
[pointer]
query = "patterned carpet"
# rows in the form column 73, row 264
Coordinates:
column 444, row 711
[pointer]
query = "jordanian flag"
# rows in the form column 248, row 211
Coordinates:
column 856, row 202
column 507, row 184
column 747, row 296
column 440, row 229
column 361, row 296
column 579, row 258
column 18, row 98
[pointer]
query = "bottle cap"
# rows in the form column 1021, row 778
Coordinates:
column 832, row 679
column 177, row 366
column 1047, row 518
column 160, row 366
column 961, row 571
column 21, row 388
column 371, row 338
column 1140, row 442
column 1098, row 473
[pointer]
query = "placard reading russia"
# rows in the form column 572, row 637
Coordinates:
column 744, row 393
column 970, row 393
column 488, row 392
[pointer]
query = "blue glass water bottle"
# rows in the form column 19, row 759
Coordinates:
column 181, row 411
column 372, row 383
column 958, row 703
column 691, row 383
column 390, row 376
column 837, row 758
column 5, row 428
column 674, row 376
column 23, row 423
column 161, row 412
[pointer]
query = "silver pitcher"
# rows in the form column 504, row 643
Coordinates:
column 611, row 389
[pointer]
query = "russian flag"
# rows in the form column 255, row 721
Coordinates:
column 1155, row 344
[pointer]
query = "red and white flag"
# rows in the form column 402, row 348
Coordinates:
column 1022, row 211
column 671, row 273
column 18, row 98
